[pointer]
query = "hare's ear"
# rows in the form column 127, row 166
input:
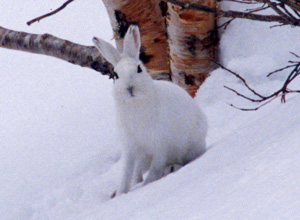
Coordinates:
column 107, row 51
column 132, row 42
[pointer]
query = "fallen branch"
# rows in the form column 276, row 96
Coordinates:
column 49, row 14
column 46, row 44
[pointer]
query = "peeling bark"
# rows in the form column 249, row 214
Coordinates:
column 46, row 44
column 149, row 16
column 192, row 41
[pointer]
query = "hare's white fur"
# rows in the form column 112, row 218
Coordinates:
column 159, row 122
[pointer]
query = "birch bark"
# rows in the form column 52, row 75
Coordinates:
column 185, row 56
column 149, row 15
column 47, row 44
column 192, row 42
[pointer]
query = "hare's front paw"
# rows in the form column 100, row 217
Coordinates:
column 113, row 195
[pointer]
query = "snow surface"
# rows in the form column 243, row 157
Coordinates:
column 59, row 149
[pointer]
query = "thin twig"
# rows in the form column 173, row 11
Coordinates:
column 296, row 12
column 225, row 24
column 241, row 95
column 295, row 55
column 277, row 10
column 282, row 92
column 258, row 9
column 250, row 2
column 288, row 12
column 253, row 109
column 236, row 14
column 281, row 69
column 242, row 79
column 49, row 14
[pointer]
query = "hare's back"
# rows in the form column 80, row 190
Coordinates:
column 176, row 98
column 182, row 123
column 179, row 109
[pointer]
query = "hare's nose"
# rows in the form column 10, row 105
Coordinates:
column 130, row 90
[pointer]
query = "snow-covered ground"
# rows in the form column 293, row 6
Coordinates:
column 59, row 149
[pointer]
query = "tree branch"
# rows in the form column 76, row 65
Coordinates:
column 49, row 14
column 236, row 14
column 244, row 82
column 46, row 44
column 282, row 92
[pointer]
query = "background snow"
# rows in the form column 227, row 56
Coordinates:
column 58, row 144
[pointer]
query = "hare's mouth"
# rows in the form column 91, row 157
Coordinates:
column 130, row 90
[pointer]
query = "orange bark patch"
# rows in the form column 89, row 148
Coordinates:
column 147, row 14
column 191, row 41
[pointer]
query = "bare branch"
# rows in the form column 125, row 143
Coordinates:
column 295, row 55
column 275, row 8
column 242, row 79
column 253, row 109
column 282, row 92
column 236, row 14
column 241, row 95
column 225, row 24
column 46, row 44
column 249, row 2
column 281, row 69
column 293, row 4
column 49, row 14
column 258, row 9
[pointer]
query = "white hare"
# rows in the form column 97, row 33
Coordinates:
column 159, row 122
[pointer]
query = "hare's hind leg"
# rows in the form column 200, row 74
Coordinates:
column 172, row 168
column 156, row 170
column 138, row 170
column 142, row 165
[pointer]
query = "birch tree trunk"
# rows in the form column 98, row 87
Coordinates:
column 149, row 15
column 185, row 57
column 192, row 42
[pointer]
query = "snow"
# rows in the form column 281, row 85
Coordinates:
column 59, row 148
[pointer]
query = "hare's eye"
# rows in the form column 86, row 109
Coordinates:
column 139, row 69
